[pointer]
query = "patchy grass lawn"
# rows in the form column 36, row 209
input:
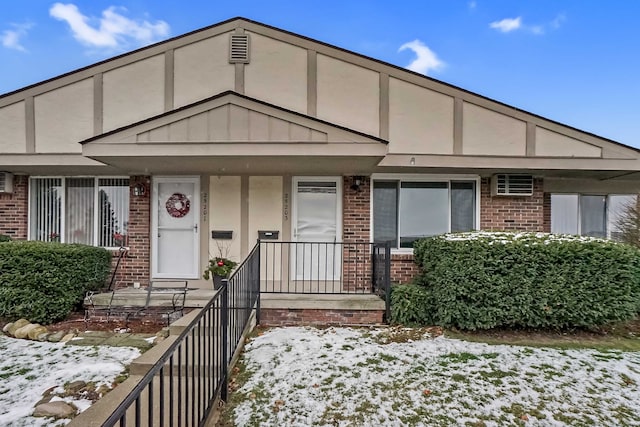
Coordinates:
column 390, row 376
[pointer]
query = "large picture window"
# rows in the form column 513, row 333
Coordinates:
column 406, row 210
column 91, row 211
column 588, row 214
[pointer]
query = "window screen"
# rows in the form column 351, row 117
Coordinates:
column 592, row 216
column 463, row 202
column 385, row 212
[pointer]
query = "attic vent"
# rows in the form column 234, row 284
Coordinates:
column 6, row 182
column 512, row 185
column 239, row 49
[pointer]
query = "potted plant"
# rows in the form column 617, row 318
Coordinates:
column 219, row 268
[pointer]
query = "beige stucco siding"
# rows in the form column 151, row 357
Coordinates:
column 549, row 143
column 486, row 132
column 265, row 205
column 13, row 137
column 420, row 120
column 202, row 70
column 277, row 73
column 133, row 92
column 63, row 117
column 348, row 95
column 224, row 214
column 265, row 213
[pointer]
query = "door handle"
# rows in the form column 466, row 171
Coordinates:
column 196, row 227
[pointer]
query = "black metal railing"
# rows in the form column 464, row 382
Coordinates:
column 182, row 386
column 320, row 267
column 381, row 271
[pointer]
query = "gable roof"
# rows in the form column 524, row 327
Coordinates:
column 296, row 39
column 226, row 131
column 548, row 146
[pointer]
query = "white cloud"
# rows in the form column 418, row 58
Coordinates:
column 426, row 60
column 112, row 30
column 512, row 24
column 11, row 38
column 507, row 25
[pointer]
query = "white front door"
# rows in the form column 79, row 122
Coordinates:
column 317, row 226
column 175, row 233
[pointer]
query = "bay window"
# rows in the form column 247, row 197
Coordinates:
column 91, row 211
column 588, row 214
column 406, row 210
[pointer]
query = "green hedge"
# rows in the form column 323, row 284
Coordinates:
column 42, row 282
column 4, row 238
column 487, row 280
column 409, row 305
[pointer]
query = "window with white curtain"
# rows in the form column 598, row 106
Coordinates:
column 407, row 210
column 91, row 211
column 588, row 214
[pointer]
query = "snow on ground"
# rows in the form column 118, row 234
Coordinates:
column 344, row 376
column 29, row 368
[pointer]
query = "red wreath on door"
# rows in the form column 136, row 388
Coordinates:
column 178, row 205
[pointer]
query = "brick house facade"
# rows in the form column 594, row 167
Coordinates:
column 224, row 132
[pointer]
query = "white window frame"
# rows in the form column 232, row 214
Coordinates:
column 425, row 178
column 63, row 207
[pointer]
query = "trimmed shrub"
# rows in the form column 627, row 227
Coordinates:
column 486, row 280
column 43, row 281
column 410, row 305
column 4, row 238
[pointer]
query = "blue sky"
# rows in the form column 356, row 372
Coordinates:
column 573, row 61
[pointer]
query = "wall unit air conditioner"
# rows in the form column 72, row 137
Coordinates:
column 511, row 185
column 6, row 182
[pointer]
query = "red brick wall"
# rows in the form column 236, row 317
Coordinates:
column 290, row 316
column 14, row 208
column 546, row 209
column 356, row 211
column 356, row 227
column 135, row 266
column 513, row 213
column 403, row 269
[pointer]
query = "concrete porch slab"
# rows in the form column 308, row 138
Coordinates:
column 137, row 297
column 321, row 302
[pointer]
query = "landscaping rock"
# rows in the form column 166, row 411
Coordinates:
column 43, row 336
column 74, row 387
column 17, row 325
column 23, row 332
column 39, row 329
column 6, row 327
column 68, row 337
column 57, row 409
column 56, row 336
